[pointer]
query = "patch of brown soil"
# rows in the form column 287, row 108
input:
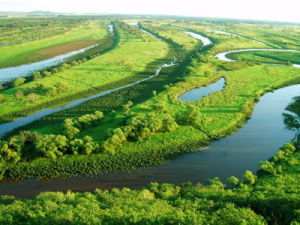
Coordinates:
column 65, row 48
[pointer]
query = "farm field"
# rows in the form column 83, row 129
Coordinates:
column 113, row 117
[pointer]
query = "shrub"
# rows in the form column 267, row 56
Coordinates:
column 37, row 76
column 19, row 81
column 233, row 180
column 19, row 94
column 249, row 178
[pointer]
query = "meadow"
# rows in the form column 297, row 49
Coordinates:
column 100, row 72
column 268, row 57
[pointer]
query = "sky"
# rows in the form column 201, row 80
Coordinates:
column 276, row 10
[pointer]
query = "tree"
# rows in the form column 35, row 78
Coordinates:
column 115, row 141
column 46, row 74
column 233, row 180
column 7, row 154
column 37, row 76
column 169, row 123
column 215, row 183
column 19, row 81
column 69, row 129
column 127, row 106
column 52, row 146
column 267, row 166
column 88, row 145
column 249, row 177
column 88, row 120
column 192, row 115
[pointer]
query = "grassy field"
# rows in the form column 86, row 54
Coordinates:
column 123, row 62
column 15, row 30
column 275, row 35
column 76, row 38
column 176, row 34
column 268, row 57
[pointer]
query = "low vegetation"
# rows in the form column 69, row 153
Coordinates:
column 268, row 57
column 267, row 198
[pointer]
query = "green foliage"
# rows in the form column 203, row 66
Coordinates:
column 19, row 81
column 1, row 98
column 127, row 106
column 7, row 154
column 144, row 126
column 233, row 180
column 249, row 178
column 192, row 115
column 36, row 76
column 264, row 203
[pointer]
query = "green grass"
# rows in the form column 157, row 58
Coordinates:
column 123, row 62
column 177, row 35
column 268, row 57
column 37, row 50
column 26, row 28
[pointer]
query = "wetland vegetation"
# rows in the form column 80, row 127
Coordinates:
column 139, row 73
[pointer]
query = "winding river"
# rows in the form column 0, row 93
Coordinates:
column 205, row 41
column 11, row 73
column 10, row 126
column 223, row 55
column 258, row 140
column 236, row 35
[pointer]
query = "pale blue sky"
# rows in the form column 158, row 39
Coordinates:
column 287, row 10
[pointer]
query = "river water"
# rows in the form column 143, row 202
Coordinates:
column 11, row 73
column 223, row 55
column 236, row 35
column 198, row 93
column 258, row 140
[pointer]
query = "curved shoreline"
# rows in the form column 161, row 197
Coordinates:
column 194, row 166
column 236, row 35
column 10, row 73
column 12, row 125
column 141, row 175
column 223, row 55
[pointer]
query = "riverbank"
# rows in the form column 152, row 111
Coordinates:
column 263, row 199
column 234, row 107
